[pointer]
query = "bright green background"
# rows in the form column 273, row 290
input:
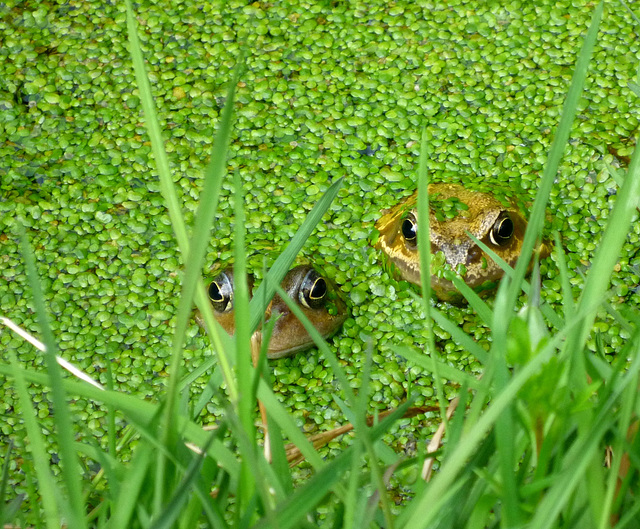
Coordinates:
column 331, row 89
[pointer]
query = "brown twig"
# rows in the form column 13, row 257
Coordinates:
column 294, row 456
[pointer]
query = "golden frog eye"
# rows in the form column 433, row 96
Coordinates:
column 502, row 230
column 410, row 229
column 312, row 290
column 221, row 293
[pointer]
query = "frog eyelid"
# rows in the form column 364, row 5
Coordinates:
column 502, row 230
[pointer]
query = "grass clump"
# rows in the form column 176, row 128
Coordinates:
column 525, row 443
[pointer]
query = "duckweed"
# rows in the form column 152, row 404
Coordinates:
column 328, row 92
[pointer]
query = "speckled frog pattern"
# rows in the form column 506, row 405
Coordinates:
column 454, row 211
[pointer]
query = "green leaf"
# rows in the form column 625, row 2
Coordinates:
column 74, row 505
column 281, row 266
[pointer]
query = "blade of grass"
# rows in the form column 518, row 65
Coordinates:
column 155, row 133
column 581, row 454
column 187, row 489
column 353, row 504
column 198, row 245
column 606, row 256
column 244, row 364
column 547, row 310
column 196, row 373
column 629, row 517
column 5, row 510
column 631, row 14
column 283, row 263
column 294, row 508
column 111, row 416
column 265, row 483
column 10, row 510
column 108, row 478
column 425, row 508
column 567, row 296
column 137, row 474
column 279, row 455
column 536, row 220
column 193, row 251
column 424, row 253
column 219, row 338
column 458, row 335
column 362, row 431
column 47, row 486
column 62, row 417
column 482, row 397
column 288, row 426
column 321, row 344
column 428, row 363
column 136, row 411
column 504, row 428
column 424, row 241
column 628, row 403
column 30, row 474
column 212, row 388
column 246, row 403
column 474, row 300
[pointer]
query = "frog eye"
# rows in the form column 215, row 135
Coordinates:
column 313, row 290
column 221, row 293
column 502, row 230
column 409, row 229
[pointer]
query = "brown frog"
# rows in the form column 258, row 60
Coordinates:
column 317, row 296
column 454, row 211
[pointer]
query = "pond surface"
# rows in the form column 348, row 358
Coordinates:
column 331, row 89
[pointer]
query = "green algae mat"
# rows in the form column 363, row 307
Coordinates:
column 329, row 90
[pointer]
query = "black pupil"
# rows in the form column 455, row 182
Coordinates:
column 409, row 229
column 504, row 230
column 319, row 289
column 214, row 292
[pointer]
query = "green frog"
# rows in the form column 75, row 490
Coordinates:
column 317, row 296
column 454, row 211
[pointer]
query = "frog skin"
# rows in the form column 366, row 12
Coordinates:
column 454, row 211
column 317, row 297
